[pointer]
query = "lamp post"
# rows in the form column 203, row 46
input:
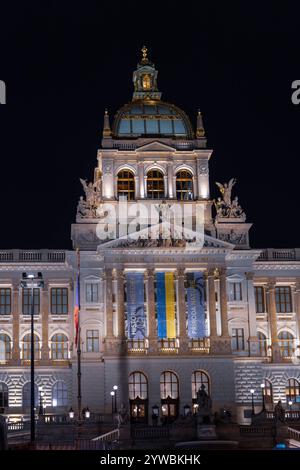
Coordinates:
column 290, row 404
column 262, row 385
column 41, row 407
column 115, row 388
column 252, row 400
column 30, row 281
column 112, row 394
column 71, row 413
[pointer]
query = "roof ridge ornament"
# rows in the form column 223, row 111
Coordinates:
column 144, row 52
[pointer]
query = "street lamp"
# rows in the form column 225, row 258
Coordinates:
column 115, row 388
column 30, row 281
column 186, row 410
column 290, row 404
column 87, row 412
column 262, row 385
column 71, row 413
column 112, row 394
column 252, row 399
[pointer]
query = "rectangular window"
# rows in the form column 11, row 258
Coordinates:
column 92, row 341
column 283, row 299
column 5, row 301
column 92, row 292
column 26, row 301
column 59, row 300
column 234, row 291
column 259, row 293
column 237, row 342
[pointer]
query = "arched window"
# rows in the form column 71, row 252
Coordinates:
column 268, row 392
column 26, row 395
column 59, row 346
column 292, row 390
column 138, row 386
column 169, row 385
column 199, row 378
column 5, row 347
column 184, row 185
column 59, row 394
column 126, row 184
column 286, row 342
column 262, row 344
column 155, row 185
column 26, row 347
column 169, row 394
column 3, row 395
column 138, row 397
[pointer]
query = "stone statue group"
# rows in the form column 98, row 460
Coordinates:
column 225, row 206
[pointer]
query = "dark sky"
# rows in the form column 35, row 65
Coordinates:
column 63, row 64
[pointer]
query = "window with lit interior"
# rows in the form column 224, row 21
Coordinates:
column 155, row 185
column 5, row 347
column 59, row 394
column 292, row 390
column 59, row 346
column 126, row 185
column 286, row 344
column 26, row 347
column 184, row 185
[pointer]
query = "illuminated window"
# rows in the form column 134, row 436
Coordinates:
column 92, row 341
column 259, row 292
column 292, row 390
column 234, row 291
column 26, row 395
column 283, row 299
column 126, row 184
column 155, row 185
column 26, row 347
column 268, row 392
column 26, row 301
column 286, row 343
column 59, row 300
column 138, row 386
column 3, row 395
column 59, row 394
column 169, row 385
column 146, row 82
column 199, row 378
column 262, row 344
column 5, row 301
column 5, row 347
column 59, row 346
column 237, row 341
column 184, row 185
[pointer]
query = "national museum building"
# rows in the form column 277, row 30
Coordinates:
column 167, row 303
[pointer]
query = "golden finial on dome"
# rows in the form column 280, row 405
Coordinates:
column 144, row 52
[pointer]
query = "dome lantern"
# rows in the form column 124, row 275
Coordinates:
column 145, row 79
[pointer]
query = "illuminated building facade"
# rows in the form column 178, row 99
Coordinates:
column 160, row 316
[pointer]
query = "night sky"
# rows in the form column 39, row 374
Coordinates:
column 64, row 64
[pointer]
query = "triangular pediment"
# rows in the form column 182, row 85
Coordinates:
column 155, row 146
column 141, row 240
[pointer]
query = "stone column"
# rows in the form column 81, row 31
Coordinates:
column 152, row 326
column 141, row 190
column 136, row 187
column 253, row 340
column 225, row 344
column 166, row 186
column 297, row 310
column 272, row 314
column 44, row 310
column 16, row 325
column 183, row 337
column 120, row 304
column 212, row 304
column 170, row 181
column 108, row 310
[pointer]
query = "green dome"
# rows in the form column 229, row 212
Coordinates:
column 142, row 118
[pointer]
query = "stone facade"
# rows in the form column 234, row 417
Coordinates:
column 252, row 297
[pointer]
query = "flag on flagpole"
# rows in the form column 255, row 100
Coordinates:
column 77, row 301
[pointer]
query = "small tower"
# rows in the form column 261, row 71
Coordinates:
column 106, row 126
column 200, row 132
column 145, row 79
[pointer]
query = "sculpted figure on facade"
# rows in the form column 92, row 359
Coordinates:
column 87, row 209
column 225, row 206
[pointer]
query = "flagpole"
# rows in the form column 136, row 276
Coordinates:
column 78, row 344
